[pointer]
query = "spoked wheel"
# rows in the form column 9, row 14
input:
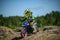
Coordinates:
column 23, row 33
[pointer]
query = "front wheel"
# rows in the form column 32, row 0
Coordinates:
column 23, row 32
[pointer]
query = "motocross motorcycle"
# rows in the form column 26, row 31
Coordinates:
column 26, row 29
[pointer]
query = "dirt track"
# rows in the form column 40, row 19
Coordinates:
column 48, row 34
column 43, row 36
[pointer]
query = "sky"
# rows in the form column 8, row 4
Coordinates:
column 38, row 7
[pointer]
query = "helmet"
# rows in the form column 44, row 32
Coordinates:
column 27, row 13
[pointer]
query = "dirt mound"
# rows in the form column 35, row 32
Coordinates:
column 43, row 36
column 7, row 33
column 49, row 33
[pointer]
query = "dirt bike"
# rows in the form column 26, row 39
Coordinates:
column 26, row 29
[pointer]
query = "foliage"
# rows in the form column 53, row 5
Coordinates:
column 52, row 18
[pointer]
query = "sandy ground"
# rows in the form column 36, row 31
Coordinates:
column 48, row 34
